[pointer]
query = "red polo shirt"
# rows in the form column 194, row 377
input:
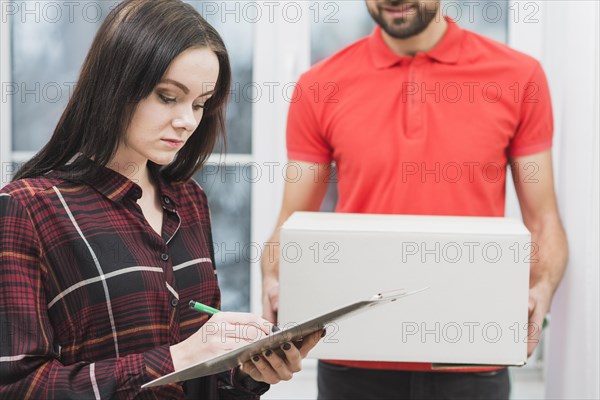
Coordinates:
column 429, row 134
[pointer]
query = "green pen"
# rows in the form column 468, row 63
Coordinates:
column 203, row 308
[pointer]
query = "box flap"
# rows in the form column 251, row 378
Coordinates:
column 342, row 222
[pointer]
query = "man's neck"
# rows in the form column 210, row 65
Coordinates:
column 422, row 42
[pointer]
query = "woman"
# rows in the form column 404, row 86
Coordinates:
column 105, row 238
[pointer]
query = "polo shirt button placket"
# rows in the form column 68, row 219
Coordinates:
column 416, row 106
column 164, row 257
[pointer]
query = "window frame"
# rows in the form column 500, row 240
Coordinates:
column 5, row 106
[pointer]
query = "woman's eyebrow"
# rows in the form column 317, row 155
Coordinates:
column 178, row 84
column 183, row 87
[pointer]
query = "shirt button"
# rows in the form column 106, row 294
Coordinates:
column 164, row 256
column 166, row 200
column 174, row 302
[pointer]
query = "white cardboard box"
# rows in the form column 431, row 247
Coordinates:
column 477, row 271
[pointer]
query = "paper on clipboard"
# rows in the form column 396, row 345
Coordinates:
column 234, row 358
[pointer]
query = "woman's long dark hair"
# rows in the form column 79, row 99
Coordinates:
column 130, row 53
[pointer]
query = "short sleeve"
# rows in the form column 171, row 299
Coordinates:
column 304, row 137
column 535, row 130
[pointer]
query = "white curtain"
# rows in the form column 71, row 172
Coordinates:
column 571, row 54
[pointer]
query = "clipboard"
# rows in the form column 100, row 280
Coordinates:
column 236, row 357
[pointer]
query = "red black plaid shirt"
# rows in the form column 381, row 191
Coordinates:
column 91, row 297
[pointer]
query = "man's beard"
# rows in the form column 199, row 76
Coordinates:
column 416, row 22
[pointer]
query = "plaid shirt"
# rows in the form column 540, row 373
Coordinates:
column 91, row 297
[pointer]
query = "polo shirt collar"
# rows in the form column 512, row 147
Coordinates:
column 447, row 51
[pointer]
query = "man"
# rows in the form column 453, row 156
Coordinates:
column 424, row 119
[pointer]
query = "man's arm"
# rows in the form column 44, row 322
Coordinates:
column 534, row 184
column 300, row 194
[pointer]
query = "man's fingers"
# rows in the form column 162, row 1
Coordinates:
column 274, row 297
column 532, row 343
column 531, row 305
column 268, row 312
column 534, row 330
column 271, row 303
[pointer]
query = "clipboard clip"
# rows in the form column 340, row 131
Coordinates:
column 393, row 295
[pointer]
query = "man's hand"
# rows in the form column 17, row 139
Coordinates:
column 540, row 214
column 304, row 191
column 540, row 298
column 270, row 299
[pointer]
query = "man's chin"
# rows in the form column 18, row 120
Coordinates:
column 404, row 29
column 398, row 26
column 399, row 32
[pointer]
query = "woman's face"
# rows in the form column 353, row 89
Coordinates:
column 164, row 121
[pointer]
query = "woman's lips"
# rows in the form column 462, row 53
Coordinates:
column 175, row 144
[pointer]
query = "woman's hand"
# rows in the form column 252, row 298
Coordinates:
column 274, row 366
column 227, row 331
column 223, row 332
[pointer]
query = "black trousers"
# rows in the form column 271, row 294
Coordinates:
column 337, row 382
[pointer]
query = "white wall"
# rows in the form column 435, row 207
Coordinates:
column 281, row 53
column 571, row 42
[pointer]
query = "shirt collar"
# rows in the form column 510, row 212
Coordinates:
column 447, row 51
column 116, row 187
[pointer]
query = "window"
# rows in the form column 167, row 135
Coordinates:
column 49, row 41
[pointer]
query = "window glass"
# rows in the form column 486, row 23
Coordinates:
column 235, row 26
column 50, row 41
column 336, row 24
column 229, row 197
